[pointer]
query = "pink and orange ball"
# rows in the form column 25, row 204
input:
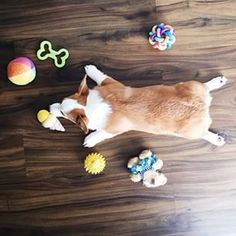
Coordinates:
column 21, row 71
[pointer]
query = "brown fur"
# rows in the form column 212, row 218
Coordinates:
column 79, row 118
column 180, row 110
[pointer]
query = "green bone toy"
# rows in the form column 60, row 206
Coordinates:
column 46, row 51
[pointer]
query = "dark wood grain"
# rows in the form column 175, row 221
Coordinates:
column 44, row 189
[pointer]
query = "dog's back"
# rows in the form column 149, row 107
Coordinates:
column 181, row 110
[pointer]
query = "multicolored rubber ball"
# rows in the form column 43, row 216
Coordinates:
column 162, row 36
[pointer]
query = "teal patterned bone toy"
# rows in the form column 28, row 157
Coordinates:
column 46, row 51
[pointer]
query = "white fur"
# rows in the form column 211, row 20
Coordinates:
column 69, row 105
column 96, row 137
column 97, row 110
column 95, row 74
column 55, row 109
column 215, row 139
column 216, row 83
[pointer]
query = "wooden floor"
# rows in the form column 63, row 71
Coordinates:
column 44, row 189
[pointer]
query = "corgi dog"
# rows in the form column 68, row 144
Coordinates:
column 111, row 108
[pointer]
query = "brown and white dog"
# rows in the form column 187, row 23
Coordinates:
column 112, row 108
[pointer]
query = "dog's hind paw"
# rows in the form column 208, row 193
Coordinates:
column 216, row 83
column 216, row 139
column 220, row 140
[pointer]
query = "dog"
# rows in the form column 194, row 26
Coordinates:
column 111, row 108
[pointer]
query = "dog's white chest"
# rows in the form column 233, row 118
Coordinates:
column 97, row 111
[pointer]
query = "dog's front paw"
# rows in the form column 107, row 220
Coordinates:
column 95, row 74
column 91, row 70
column 96, row 137
column 91, row 140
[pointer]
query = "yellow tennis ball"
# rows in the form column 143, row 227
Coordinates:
column 42, row 115
column 94, row 163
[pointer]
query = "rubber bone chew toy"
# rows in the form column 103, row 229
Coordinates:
column 46, row 51
column 147, row 168
column 49, row 119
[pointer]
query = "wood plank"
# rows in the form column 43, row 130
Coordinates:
column 44, row 189
column 12, row 159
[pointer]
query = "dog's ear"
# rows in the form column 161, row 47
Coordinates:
column 81, row 120
column 83, row 88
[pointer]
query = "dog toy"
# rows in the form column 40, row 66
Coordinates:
column 21, row 71
column 49, row 120
column 94, row 163
column 46, row 51
column 147, row 168
column 162, row 36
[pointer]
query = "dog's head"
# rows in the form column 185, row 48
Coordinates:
column 73, row 107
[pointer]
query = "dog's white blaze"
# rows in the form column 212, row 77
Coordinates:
column 69, row 105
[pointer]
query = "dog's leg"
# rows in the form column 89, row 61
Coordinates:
column 99, row 77
column 95, row 74
column 96, row 137
column 215, row 139
column 216, row 83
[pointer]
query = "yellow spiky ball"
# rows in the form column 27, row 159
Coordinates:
column 94, row 163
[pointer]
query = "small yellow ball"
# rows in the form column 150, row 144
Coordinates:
column 42, row 115
column 94, row 163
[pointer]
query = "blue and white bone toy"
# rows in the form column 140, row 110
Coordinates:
column 147, row 168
